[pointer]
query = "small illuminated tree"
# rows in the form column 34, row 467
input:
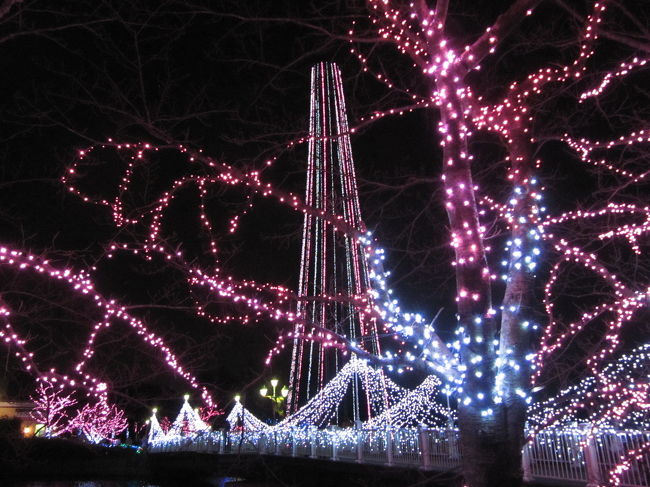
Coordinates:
column 165, row 424
column 52, row 409
column 99, row 421
column 206, row 413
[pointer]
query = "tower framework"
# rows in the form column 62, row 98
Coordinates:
column 333, row 270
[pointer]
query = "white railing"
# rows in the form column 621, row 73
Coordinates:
column 574, row 455
column 584, row 456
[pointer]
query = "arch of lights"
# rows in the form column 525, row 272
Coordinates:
column 409, row 408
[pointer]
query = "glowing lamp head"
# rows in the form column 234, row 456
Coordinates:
column 263, row 391
column 154, row 410
column 274, row 383
column 186, row 397
column 284, row 392
column 237, row 397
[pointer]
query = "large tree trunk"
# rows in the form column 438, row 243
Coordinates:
column 492, row 445
column 491, row 448
column 491, row 422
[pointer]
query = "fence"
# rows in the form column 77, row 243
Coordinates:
column 576, row 455
column 570, row 455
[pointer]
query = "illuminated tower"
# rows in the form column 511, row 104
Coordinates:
column 332, row 264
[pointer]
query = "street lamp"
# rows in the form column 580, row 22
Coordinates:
column 278, row 399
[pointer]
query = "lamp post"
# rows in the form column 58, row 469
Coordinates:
column 278, row 399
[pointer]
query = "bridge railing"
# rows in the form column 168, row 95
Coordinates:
column 610, row 447
column 584, row 456
column 573, row 455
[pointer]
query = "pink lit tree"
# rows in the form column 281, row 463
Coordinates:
column 496, row 337
column 206, row 413
column 99, row 421
column 165, row 424
column 53, row 409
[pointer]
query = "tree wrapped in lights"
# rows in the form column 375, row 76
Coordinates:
column 99, row 421
column 165, row 424
column 206, row 413
column 52, row 409
column 616, row 398
column 494, row 345
column 80, row 285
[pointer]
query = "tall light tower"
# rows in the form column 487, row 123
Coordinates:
column 332, row 264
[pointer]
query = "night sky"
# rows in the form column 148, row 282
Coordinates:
column 232, row 78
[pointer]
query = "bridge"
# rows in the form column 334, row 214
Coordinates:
column 569, row 456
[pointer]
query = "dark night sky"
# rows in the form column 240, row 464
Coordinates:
column 240, row 90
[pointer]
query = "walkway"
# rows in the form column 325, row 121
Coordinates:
column 564, row 456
